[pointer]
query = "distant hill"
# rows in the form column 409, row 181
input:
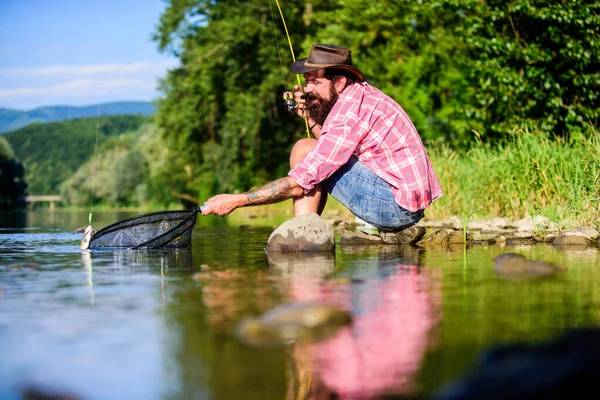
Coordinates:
column 11, row 120
column 52, row 152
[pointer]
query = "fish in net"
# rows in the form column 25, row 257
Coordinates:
column 159, row 230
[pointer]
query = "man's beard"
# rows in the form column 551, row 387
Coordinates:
column 319, row 111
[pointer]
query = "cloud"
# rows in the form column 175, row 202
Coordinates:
column 87, row 70
column 77, row 88
column 23, row 88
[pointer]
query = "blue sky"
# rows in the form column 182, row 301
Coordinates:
column 79, row 52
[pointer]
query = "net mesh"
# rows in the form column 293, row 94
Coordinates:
column 160, row 230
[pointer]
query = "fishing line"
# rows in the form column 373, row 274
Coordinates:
column 277, row 44
column 94, row 166
column 291, row 51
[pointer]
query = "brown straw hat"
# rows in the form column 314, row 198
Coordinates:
column 327, row 56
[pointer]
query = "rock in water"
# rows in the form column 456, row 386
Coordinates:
column 307, row 232
column 288, row 323
column 516, row 266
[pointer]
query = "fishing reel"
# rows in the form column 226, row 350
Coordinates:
column 290, row 103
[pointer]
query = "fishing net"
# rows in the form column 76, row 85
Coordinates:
column 160, row 230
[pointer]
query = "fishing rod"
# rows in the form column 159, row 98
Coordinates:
column 288, row 96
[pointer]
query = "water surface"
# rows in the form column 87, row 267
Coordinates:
column 135, row 324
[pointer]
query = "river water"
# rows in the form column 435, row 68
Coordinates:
column 137, row 325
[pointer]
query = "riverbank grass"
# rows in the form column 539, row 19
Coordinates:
column 529, row 175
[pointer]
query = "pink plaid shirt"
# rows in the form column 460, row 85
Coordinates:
column 370, row 125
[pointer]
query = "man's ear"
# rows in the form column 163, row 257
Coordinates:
column 340, row 84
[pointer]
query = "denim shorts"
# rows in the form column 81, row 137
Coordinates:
column 369, row 197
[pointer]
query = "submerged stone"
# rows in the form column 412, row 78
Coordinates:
column 511, row 265
column 288, row 323
column 307, row 232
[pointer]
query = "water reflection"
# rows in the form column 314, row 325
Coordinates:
column 381, row 351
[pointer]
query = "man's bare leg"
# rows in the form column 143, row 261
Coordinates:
column 314, row 201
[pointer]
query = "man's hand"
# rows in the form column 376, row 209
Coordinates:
column 300, row 101
column 224, row 204
column 273, row 192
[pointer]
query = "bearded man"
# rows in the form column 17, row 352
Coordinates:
column 366, row 152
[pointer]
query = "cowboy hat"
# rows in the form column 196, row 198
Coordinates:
column 327, row 56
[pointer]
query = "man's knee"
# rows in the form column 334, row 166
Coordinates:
column 300, row 150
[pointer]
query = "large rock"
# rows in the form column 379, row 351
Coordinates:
column 307, row 232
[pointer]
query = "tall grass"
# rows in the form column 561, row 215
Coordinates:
column 529, row 175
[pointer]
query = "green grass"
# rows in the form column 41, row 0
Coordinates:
column 530, row 175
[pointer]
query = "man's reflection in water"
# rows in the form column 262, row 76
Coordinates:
column 395, row 308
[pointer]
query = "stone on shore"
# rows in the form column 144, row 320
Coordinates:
column 445, row 237
column 359, row 237
column 407, row 236
column 307, row 232
column 572, row 239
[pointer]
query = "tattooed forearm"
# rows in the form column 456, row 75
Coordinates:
column 273, row 192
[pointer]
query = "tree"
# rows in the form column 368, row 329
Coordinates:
column 531, row 63
column 222, row 109
column 12, row 186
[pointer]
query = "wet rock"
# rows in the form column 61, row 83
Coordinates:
column 478, row 225
column 515, row 266
column 587, row 231
column 553, row 370
column 549, row 238
column 288, row 323
column 513, row 238
column 500, row 240
column 303, row 233
column 571, row 239
column 359, row 237
column 444, row 237
column 532, row 223
column 520, row 238
column 500, row 223
column 407, row 236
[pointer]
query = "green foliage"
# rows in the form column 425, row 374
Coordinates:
column 12, row 185
column 52, row 152
column 403, row 49
column 222, row 109
column 135, row 168
column 530, row 63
